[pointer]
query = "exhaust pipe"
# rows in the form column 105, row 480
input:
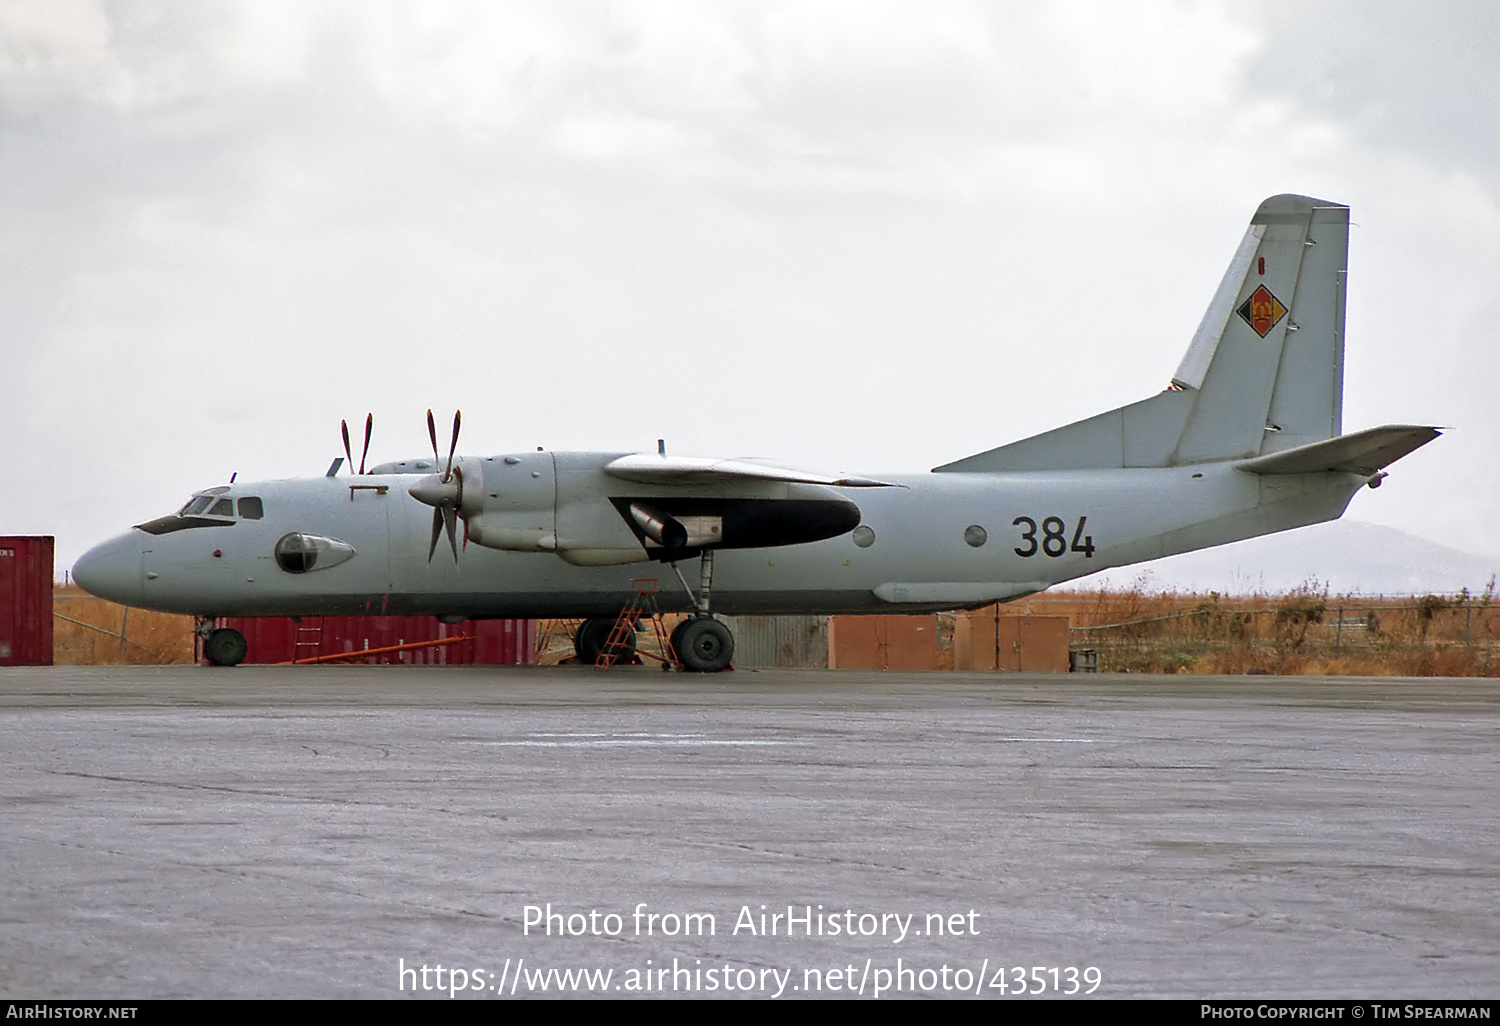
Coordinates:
column 659, row 527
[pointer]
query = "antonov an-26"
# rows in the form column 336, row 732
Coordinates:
column 1247, row 441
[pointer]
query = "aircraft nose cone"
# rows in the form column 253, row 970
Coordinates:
column 112, row 570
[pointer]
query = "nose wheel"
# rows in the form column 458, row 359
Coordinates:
column 225, row 647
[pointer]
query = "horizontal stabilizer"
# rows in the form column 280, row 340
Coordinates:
column 1363, row 452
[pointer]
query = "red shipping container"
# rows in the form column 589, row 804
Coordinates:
column 985, row 640
column 282, row 639
column 26, row 601
column 882, row 642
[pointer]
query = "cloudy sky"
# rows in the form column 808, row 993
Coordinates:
column 856, row 236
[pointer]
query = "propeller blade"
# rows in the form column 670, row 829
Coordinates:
column 452, row 447
column 432, row 434
column 450, row 521
column 369, row 427
column 344, row 427
column 437, row 530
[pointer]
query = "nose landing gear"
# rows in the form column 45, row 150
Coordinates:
column 223, row 646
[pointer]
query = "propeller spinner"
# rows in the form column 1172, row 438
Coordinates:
column 443, row 492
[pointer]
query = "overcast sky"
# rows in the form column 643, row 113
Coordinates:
column 859, row 236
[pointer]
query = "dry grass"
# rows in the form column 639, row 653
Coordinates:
column 151, row 639
column 554, row 641
column 1307, row 631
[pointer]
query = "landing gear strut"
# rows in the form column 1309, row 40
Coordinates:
column 703, row 644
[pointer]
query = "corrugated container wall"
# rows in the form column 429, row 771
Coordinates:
column 792, row 642
column 281, row 639
column 26, row 601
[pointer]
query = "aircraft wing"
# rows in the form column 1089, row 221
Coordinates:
column 649, row 468
column 1363, row 452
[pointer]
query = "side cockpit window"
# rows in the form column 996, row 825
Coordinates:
column 196, row 505
column 222, row 508
column 251, row 508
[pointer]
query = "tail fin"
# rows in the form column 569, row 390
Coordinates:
column 1267, row 363
column 1264, row 372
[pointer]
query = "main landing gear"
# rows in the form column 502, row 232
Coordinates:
column 701, row 643
column 592, row 637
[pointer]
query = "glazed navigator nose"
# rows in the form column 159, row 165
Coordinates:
column 112, row 570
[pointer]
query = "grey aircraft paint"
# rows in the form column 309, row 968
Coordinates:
column 1247, row 441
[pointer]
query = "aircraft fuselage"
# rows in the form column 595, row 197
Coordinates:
column 937, row 541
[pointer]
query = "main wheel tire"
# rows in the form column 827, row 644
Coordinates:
column 225, row 647
column 705, row 646
column 676, row 638
column 593, row 635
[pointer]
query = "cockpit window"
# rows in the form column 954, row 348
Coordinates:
column 250, row 507
column 197, row 511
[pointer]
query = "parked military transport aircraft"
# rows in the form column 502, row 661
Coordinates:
column 1246, row 441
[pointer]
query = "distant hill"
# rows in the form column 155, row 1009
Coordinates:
column 1347, row 557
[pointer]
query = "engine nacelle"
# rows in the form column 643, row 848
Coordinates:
column 509, row 502
column 566, row 504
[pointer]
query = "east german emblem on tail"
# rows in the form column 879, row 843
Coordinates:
column 1262, row 311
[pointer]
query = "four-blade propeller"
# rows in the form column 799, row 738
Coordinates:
column 443, row 492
